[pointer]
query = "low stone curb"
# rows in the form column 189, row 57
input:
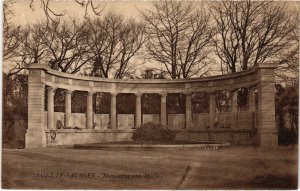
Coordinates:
column 101, row 146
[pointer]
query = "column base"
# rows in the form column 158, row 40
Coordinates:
column 35, row 138
column 268, row 138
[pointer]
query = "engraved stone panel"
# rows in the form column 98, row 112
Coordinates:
column 200, row 120
column 176, row 121
column 102, row 121
column 125, row 121
column 244, row 119
column 59, row 116
column 79, row 120
column 153, row 118
column 224, row 119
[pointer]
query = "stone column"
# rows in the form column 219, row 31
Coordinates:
column 138, row 110
column 68, row 111
column 267, row 132
column 212, row 109
column 89, row 111
column 188, row 110
column 113, row 111
column 50, row 105
column 35, row 134
column 163, row 109
column 234, row 114
column 252, row 107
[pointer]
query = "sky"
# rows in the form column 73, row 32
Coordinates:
column 25, row 15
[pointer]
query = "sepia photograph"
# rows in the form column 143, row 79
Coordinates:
column 140, row 95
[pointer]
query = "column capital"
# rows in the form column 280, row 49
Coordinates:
column 233, row 90
column 252, row 88
column 163, row 94
column 90, row 93
column 114, row 94
column 212, row 92
column 187, row 93
column 50, row 88
column 138, row 94
column 68, row 91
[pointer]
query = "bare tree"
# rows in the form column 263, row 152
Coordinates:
column 249, row 32
column 103, row 40
column 65, row 45
column 53, row 16
column 178, row 34
column 32, row 47
column 113, row 43
column 131, row 41
column 288, row 70
column 10, row 38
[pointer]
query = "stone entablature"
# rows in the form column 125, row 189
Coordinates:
column 40, row 76
column 84, row 83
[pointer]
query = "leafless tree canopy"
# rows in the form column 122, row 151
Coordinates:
column 59, row 44
column 288, row 69
column 101, row 47
column 10, row 36
column 249, row 32
column 113, row 42
column 177, row 37
column 52, row 15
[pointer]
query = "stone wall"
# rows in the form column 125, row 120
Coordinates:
column 102, row 121
column 235, row 137
column 245, row 119
column 153, row 118
column 85, row 136
column 200, row 120
column 176, row 121
column 224, row 120
column 125, row 121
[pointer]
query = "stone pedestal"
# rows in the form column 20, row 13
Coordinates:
column 35, row 135
column 267, row 132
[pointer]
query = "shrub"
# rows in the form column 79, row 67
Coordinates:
column 153, row 133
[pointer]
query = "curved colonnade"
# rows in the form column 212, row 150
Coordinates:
column 262, row 130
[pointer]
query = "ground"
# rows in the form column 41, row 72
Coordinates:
column 225, row 168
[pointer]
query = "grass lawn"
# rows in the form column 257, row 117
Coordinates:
column 182, row 168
